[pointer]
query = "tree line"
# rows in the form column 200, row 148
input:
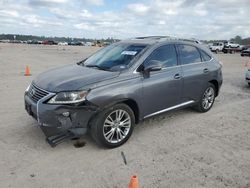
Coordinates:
column 42, row 38
column 237, row 39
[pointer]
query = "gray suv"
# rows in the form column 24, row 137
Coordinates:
column 112, row 90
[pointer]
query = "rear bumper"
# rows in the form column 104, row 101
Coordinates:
column 220, row 82
column 59, row 119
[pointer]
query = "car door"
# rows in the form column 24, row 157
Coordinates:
column 194, row 72
column 162, row 89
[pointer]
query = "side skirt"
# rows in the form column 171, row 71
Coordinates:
column 170, row 108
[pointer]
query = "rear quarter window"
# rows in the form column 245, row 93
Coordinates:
column 205, row 56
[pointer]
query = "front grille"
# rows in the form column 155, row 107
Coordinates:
column 35, row 93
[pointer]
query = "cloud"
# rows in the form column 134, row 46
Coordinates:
column 94, row 2
column 61, row 13
column 46, row 2
column 37, row 21
column 9, row 13
column 84, row 26
column 138, row 8
column 200, row 10
column 207, row 19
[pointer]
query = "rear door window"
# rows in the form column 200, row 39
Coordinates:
column 188, row 54
column 166, row 55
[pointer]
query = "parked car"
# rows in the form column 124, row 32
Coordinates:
column 120, row 85
column 78, row 43
column 217, row 47
column 62, row 43
column 245, row 47
column 32, row 42
column 248, row 76
column 49, row 42
column 231, row 45
column 88, row 44
column 245, row 52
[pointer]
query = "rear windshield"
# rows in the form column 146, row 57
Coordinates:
column 114, row 57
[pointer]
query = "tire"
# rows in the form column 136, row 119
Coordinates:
column 207, row 100
column 107, row 129
column 249, row 84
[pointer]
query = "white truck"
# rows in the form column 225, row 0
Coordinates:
column 225, row 47
column 217, row 47
column 231, row 45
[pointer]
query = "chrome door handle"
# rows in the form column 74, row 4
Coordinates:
column 177, row 76
column 205, row 70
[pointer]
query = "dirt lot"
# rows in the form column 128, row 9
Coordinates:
column 178, row 149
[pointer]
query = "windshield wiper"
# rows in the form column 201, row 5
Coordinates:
column 96, row 66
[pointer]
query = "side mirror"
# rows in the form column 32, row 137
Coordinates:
column 152, row 65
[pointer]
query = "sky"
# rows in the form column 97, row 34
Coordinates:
column 200, row 19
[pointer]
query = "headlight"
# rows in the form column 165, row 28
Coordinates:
column 68, row 97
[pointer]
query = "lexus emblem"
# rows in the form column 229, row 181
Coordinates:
column 33, row 92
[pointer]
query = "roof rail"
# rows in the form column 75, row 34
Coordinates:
column 161, row 38
column 192, row 40
column 152, row 37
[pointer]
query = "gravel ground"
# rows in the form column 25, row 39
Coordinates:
column 176, row 149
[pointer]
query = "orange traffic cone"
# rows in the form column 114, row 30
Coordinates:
column 133, row 182
column 27, row 71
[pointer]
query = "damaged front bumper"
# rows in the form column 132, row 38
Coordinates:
column 59, row 122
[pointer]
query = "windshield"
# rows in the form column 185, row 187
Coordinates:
column 114, row 57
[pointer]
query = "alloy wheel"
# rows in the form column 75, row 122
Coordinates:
column 116, row 126
column 208, row 98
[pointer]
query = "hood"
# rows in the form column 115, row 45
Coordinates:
column 71, row 77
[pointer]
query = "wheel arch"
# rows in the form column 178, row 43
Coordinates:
column 216, row 85
column 134, row 107
column 129, row 102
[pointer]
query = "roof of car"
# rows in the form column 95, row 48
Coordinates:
column 154, row 40
column 159, row 39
